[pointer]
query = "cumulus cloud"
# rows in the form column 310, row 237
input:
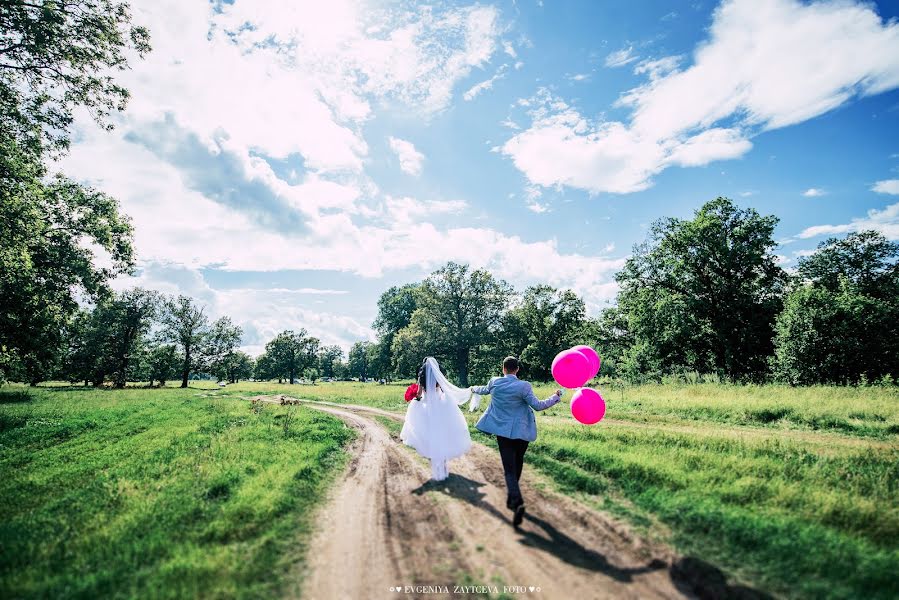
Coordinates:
column 813, row 192
column 887, row 186
column 766, row 64
column 410, row 158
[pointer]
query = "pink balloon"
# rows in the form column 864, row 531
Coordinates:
column 571, row 369
column 592, row 356
column 587, row 406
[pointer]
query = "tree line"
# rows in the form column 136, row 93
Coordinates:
column 701, row 296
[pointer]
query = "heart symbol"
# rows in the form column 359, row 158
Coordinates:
column 399, row 588
column 531, row 588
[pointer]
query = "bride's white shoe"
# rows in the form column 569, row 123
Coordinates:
column 439, row 470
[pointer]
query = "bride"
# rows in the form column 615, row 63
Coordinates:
column 435, row 426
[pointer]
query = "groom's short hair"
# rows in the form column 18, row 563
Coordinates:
column 510, row 364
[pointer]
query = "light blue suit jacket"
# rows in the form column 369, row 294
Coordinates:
column 509, row 413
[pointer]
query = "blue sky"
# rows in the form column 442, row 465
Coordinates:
column 285, row 164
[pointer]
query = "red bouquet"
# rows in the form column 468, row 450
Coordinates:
column 411, row 392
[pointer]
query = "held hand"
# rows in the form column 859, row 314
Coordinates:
column 559, row 394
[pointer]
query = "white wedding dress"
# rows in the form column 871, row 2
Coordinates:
column 435, row 426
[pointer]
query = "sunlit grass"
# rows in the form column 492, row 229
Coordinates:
column 156, row 493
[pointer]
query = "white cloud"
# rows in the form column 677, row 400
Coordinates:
column 483, row 86
column 579, row 77
column 509, row 49
column 887, row 186
column 813, row 192
column 619, row 58
column 885, row 221
column 767, row 64
column 261, row 313
column 410, row 158
column 657, row 68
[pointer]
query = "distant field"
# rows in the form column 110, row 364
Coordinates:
column 156, row 493
column 793, row 490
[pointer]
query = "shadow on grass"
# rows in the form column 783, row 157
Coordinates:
column 15, row 397
column 708, row 582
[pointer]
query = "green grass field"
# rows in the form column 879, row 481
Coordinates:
column 156, row 493
column 792, row 491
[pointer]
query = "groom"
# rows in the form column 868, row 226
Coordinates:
column 510, row 419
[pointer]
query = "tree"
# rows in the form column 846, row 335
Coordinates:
column 59, row 56
column 105, row 341
column 186, row 325
column 54, row 58
column 840, row 322
column 264, row 368
column 219, row 350
column 544, row 323
column 328, row 356
column 610, row 336
column 45, row 264
column 161, row 363
column 395, row 308
column 236, row 365
column 359, row 360
column 458, row 311
column 130, row 315
column 291, row 353
column 703, row 294
column 865, row 259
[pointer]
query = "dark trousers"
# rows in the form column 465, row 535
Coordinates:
column 512, row 453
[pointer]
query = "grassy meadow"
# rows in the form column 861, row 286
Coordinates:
column 793, row 491
column 156, row 493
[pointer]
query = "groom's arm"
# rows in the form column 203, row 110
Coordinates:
column 531, row 398
column 483, row 390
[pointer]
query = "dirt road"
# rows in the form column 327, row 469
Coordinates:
column 387, row 527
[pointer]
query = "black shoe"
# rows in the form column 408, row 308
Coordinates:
column 519, row 516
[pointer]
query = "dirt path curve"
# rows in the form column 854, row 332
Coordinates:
column 387, row 526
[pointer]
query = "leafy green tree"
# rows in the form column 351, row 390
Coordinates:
column 105, row 342
column 408, row 349
column 359, row 360
column 840, row 323
column 292, row 353
column 328, row 357
column 703, row 294
column 55, row 57
column 130, row 317
column 395, row 308
column 186, row 325
column 59, row 56
column 220, row 348
column 239, row 365
column 865, row 259
column 459, row 311
column 264, row 368
column 161, row 363
column 545, row 322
